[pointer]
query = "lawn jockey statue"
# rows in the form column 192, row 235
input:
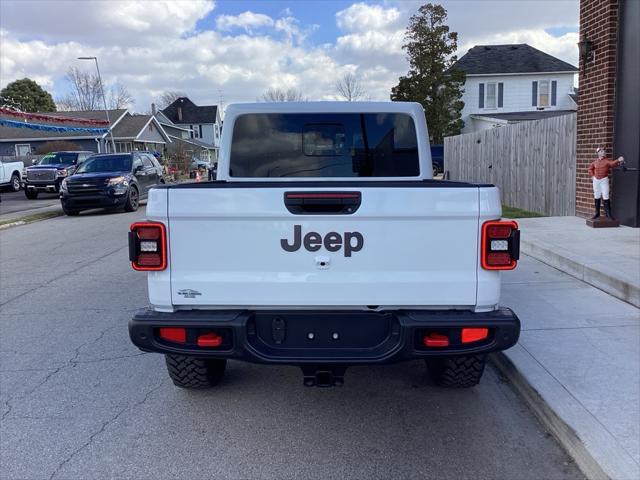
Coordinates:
column 599, row 171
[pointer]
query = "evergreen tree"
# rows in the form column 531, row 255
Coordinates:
column 431, row 81
column 27, row 96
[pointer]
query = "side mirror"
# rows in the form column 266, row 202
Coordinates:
column 34, row 161
column 138, row 168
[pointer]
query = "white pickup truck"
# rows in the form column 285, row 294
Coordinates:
column 10, row 175
column 329, row 245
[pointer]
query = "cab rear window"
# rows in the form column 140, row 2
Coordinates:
column 324, row 145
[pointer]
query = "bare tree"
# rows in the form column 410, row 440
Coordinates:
column 282, row 95
column 119, row 96
column 349, row 88
column 168, row 97
column 86, row 94
column 85, row 91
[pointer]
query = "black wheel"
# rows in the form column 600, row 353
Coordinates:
column 133, row 200
column 191, row 372
column 31, row 193
column 70, row 212
column 15, row 182
column 457, row 372
column 435, row 171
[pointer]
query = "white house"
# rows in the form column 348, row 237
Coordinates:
column 513, row 83
column 203, row 122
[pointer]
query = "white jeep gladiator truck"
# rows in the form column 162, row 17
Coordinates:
column 329, row 245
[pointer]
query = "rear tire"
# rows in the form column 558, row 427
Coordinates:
column 457, row 372
column 133, row 200
column 31, row 193
column 195, row 373
column 435, row 171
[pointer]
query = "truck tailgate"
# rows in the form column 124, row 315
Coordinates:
column 417, row 247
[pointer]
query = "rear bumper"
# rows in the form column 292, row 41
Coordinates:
column 282, row 337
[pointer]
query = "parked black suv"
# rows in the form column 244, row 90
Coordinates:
column 48, row 173
column 117, row 180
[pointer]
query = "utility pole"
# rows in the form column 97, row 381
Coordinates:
column 106, row 110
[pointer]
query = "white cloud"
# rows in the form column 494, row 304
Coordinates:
column 362, row 17
column 99, row 22
column 246, row 21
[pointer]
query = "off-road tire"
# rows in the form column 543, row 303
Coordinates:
column 70, row 212
column 457, row 372
column 31, row 193
column 133, row 200
column 15, row 183
column 196, row 373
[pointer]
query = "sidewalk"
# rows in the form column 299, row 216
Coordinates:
column 607, row 258
column 577, row 363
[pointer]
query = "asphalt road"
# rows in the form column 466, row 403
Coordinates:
column 13, row 202
column 78, row 401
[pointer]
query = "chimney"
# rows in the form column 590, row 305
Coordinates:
column 153, row 109
column 179, row 114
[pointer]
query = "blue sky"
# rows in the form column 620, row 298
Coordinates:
column 243, row 48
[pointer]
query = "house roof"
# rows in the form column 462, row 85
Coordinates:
column 130, row 126
column 191, row 113
column 524, row 116
column 509, row 59
column 10, row 133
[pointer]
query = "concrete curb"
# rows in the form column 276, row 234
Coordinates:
column 595, row 451
column 573, row 265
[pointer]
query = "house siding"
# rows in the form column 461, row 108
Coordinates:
column 151, row 134
column 516, row 95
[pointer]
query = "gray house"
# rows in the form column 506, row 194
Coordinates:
column 130, row 132
column 183, row 141
column 204, row 122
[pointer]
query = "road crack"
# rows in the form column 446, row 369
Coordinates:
column 103, row 428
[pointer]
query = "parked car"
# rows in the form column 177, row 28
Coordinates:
column 324, row 225
column 437, row 159
column 114, row 181
column 46, row 175
column 10, row 175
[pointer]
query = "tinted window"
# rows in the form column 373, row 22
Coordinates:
column 106, row 163
column 324, row 145
column 147, row 161
column 58, row 158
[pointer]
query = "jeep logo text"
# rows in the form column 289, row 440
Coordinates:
column 332, row 241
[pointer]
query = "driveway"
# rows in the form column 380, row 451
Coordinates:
column 78, row 401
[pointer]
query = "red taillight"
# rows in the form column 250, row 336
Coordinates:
column 500, row 246
column 209, row 340
column 435, row 340
column 174, row 334
column 148, row 246
column 470, row 335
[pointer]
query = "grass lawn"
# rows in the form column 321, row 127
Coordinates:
column 512, row 212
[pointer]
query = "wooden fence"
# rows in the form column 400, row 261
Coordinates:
column 533, row 163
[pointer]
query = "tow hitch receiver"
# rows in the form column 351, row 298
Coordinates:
column 323, row 375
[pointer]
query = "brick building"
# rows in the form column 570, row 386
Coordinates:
column 609, row 102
